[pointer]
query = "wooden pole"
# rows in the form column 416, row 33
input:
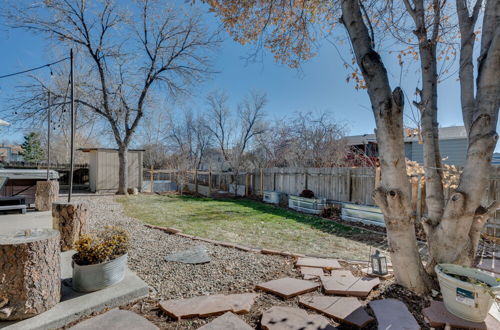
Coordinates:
column 247, row 183
column 419, row 199
column 262, row 182
column 196, row 180
column 48, row 134
column 72, row 141
column 210, row 182
column 151, row 178
column 377, row 176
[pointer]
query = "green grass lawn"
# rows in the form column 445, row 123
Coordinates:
column 253, row 224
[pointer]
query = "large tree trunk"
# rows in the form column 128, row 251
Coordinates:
column 47, row 193
column 455, row 238
column 123, row 169
column 393, row 194
column 30, row 280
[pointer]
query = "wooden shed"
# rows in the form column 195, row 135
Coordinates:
column 104, row 167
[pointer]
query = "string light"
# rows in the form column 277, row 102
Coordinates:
column 36, row 68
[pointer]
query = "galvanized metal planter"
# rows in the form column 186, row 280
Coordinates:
column 272, row 197
column 307, row 205
column 466, row 300
column 89, row 278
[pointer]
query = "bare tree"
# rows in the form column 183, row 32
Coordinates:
column 235, row 132
column 128, row 55
column 453, row 227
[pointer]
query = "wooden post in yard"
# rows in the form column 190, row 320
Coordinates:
column 210, row 182
column 419, row 199
column 196, row 180
column 377, row 176
column 247, row 183
column 262, row 182
column 151, row 178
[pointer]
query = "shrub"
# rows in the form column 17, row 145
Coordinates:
column 330, row 211
column 106, row 245
column 306, row 193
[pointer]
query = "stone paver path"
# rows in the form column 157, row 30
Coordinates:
column 393, row 314
column 347, row 310
column 205, row 306
column 327, row 264
column 436, row 315
column 288, row 287
column 116, row 319
column 195, row 255
column 289, row 318
column 342, row 282
column 310, row 273
column 228, row 321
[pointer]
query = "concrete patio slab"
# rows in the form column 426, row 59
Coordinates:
column 346, row 310
column 30, row 220
column 116, row 319
column 75, row 305
column 288, row 287
column 205, row 306
column 289, row 318
column 228, row 321
column 327, row 264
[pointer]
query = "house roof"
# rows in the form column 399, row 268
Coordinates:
column 445, row 133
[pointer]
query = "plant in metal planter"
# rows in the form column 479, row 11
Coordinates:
column 101, row 259
column 467, row 292
column 306, row 202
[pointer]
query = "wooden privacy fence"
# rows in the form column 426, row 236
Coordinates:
column 338, row 184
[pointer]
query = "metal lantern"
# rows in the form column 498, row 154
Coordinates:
column 379, row 263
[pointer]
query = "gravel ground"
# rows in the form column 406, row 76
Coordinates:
column 230, row 270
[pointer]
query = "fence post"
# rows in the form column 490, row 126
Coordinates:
column 210, row 182
column 274, row 181
column 247, row 183
column 377, row 176
column 419, row 199
column 151, row 177
column 262, row 182
column 196, row 180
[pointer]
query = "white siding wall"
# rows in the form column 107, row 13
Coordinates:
column 455, row 150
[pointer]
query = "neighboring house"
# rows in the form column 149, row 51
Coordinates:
column 495, row 160
column 10, row 153
column 452, row 144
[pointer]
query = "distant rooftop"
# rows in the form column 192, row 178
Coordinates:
column 445, row 133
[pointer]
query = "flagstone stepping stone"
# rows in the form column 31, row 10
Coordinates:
column 195, row 255
column 228, row 321
column 327, row 264
column 116, row 319
column 393, row 314
column 342, row 282
column 288, row 287
column 289, row 318
column 205, row 306
column 310, row 273
column 343, row 309
column 436, row 315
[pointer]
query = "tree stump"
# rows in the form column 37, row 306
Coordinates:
column 46, row 194
column 30, row 273
column 70, row 219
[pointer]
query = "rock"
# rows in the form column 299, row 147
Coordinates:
column 346, row 310
column 289, row 318
column 228, row 321
column 205, row 306
column 288, row 287
column 342, row 282
column 195, row 255
column 392, row 314
column 327, row 264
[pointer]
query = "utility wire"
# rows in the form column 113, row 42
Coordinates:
column 33, row 69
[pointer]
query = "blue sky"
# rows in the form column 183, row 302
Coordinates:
column 320, row 86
